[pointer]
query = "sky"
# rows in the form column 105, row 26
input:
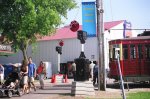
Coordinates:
column 135, row 11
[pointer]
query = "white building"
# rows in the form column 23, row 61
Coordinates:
column 45, row 49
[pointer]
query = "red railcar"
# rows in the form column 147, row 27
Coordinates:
column 134, row 54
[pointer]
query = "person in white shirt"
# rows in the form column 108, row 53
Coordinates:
column 74, row 70
column 1, row 73
column 91, row 66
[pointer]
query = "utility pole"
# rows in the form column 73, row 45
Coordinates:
column 100, row 35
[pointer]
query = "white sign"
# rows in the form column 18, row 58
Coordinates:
column 5, row 47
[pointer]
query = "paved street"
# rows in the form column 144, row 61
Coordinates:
column 61, row 91
column 50, row 91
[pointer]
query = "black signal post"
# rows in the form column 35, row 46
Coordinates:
column 82, row 36
column 59, row 50
column 82, row 64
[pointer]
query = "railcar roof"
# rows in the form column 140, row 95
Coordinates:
column 135, row 38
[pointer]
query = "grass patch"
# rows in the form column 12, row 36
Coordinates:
column 139, row 95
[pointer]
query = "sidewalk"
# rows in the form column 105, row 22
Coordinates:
column 63, row 91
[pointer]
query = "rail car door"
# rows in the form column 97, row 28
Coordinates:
column 113, row 61
column 130, row 61
column 140, row 54
column 134, row 63
column 125, row 59
column 140, row 58
column 146, row 61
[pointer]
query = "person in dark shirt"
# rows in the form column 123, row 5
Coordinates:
column 24, row 74
column 95, row 73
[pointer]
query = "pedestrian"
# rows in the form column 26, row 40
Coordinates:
column 74, row 70
column 1, row 74
column 31, row 73
column 91, row 66
column 41, row 72
column 24, row 74
column 95, row 73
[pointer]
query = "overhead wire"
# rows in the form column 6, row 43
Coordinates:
column 111, row 10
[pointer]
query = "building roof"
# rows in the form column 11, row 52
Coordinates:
column 62, row 33
column 109, row 25
column 66, row 33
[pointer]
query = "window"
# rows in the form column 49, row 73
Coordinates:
column 140, row 52
column 115, row 51
column 125, row 51
column 147, row 51
column 110, row 54
column 132, row 51
column 114, row 55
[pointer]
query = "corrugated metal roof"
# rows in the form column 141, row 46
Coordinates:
column 66, row 33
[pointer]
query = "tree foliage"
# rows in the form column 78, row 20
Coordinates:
column 22, row 20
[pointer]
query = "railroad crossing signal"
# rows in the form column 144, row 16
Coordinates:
column 59, row 49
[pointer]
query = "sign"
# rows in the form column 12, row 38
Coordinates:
column 127, row 32
column 5, row 50
column 89, row 18
column 5, row 47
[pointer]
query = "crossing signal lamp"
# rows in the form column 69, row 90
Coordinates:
column 82, row 36
column 59, row 49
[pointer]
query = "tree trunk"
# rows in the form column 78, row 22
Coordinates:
column 23, row 48
column 24, row 52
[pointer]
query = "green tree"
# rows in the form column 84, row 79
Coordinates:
column 22, row 21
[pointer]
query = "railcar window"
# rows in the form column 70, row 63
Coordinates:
column 114, row 54
column 110, row 54
column 140, row 52
column 132, row 51
column 125, row 52
column 147, row 51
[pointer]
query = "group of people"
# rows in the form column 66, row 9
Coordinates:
column 93, row 71
column 28, row 72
